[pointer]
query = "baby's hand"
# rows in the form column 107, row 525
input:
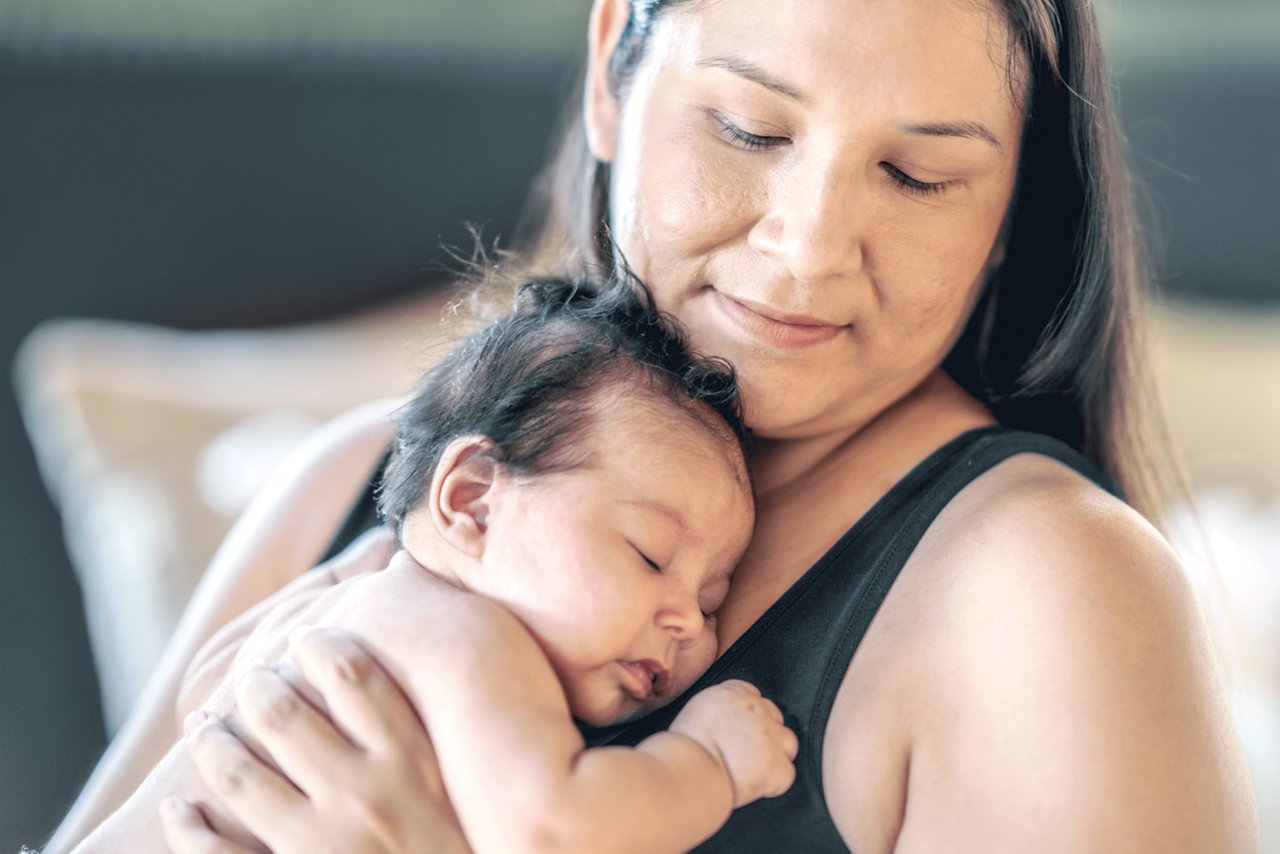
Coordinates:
column 745, row 732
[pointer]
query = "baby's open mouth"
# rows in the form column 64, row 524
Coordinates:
column 646, row 678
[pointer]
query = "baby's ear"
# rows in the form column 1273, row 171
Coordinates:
column 460, row 493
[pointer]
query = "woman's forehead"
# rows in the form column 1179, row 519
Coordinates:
column 929, row 56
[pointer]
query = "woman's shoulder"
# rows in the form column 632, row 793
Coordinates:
column 1071, row 683
column 1034, row 547
column 292, row 520
column 1030, row 500
column 339, row 457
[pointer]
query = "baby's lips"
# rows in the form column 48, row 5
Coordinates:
column 662, row 675
column 641, row 679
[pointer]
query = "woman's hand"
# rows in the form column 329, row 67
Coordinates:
column 262, row 631
column 363, row 778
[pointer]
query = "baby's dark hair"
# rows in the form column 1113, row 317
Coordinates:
column 530, row 381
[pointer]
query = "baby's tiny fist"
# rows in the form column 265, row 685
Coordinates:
column 746, row 731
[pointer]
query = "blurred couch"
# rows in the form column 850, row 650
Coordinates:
column 185, row 170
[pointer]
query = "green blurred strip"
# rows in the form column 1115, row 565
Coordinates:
column 520, row 27
column 1142, row 34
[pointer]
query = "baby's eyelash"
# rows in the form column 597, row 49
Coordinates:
column 745, row 139
column 914, row 185
column 652, row 563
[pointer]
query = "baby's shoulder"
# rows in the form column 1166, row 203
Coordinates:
column 440, row 643
column 409, row 612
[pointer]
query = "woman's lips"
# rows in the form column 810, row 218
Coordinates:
column 780, row 329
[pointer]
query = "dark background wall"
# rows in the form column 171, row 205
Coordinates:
column 204, row 188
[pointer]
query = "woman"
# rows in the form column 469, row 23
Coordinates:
column 903, row 222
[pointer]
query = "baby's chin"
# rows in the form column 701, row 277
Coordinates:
column 627, row 710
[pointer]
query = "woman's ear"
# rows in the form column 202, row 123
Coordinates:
column 601, row 104
column 461, row 492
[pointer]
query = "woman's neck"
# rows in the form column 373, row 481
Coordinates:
column 935, row 411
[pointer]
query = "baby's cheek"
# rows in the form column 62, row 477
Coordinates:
column 693, row 662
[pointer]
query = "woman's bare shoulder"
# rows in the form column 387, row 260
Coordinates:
column 289, row 524
column 1072, row 692
column 306, row 499
column 347, row 446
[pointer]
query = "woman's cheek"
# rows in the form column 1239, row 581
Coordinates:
column 698, row 199
column 938, row 269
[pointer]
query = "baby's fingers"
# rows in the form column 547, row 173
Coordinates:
column 740, row 685
column 784, row 774
column 771, row 710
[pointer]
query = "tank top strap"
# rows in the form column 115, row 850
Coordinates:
column 856, row 574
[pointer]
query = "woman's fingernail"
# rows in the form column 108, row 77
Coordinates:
column 252, row 668
column 193, row 721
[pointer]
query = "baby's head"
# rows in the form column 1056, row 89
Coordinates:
column 578, row 465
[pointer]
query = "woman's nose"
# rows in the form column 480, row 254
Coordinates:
column 813, row 220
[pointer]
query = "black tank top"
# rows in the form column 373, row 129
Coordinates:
column 798, row 651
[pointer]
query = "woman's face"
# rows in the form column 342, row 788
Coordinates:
column 814, row 188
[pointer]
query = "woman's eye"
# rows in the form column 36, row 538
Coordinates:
column 735, row 135
column 914, row 185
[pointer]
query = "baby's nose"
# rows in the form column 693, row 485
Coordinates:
column 683, row 620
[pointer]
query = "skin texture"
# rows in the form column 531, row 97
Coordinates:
column 812, row 221
column 526, row 602
column 639, row 555
column 1038, row 678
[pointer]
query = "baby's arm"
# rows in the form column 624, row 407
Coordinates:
column 514, row 764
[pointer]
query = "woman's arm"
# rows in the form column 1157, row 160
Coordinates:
column 282, row 534
column 1064, row 694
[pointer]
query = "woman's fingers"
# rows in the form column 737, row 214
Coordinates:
column 359, row 694
column 362, row 779
column 265, row 802
column 186, row 831
column 303, row 743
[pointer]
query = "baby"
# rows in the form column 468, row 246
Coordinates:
column 570, row 489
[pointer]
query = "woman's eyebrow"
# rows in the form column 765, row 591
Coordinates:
column 749, row 70
column 964, row 130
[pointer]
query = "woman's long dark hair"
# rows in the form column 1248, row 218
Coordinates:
column 1053, row 343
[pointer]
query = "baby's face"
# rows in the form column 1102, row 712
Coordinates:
column 617, row 567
